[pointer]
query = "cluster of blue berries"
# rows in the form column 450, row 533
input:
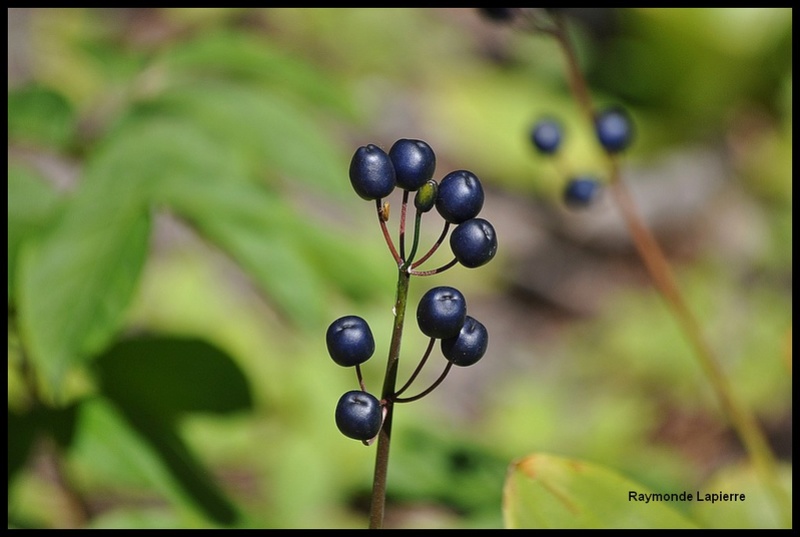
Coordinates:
column 458, row 198
column 614, row 132
column 442, row 311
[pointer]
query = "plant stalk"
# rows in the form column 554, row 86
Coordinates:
column 378, row 504
column 742, row 420
column 659, row 269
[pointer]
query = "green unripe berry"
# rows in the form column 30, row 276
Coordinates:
column 425, row 198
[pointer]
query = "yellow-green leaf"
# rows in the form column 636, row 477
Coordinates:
column 547, row 491
column 760, row 507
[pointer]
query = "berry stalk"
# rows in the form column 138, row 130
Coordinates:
column 434, row 247
column 385, row 231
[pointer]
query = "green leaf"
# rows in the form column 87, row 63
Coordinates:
column 177, row 375
column 258, row 231
column 546, row 491
column 272, row 133
column 154, row 381
column 40, row 115
column 31, row 205
column 120, row 447
column 75, row 285
column 758, row 509
column 449, row 468
column 57, row 424
column 21, row 432
column 345, row 261
column 237, row 55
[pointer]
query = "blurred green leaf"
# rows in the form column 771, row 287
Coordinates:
column 31, row 205
column 40, row 115
column 546, row 491
column 109, row 60
column 57, row 424
column 449, row 469
column 234, row 55
column 276, row 137
column 693, row 65
column 123, row 449
column 342, row 260
column 21, row 432
column 758, row 510
column 74, row 286
column 178, row 376
column 256, row 230
column 195, row 480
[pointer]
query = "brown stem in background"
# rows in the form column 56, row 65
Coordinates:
column 740, row 417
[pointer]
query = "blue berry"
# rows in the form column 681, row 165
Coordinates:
column 372, row 173
column 474, row 242
column 614, row 129
column 546, row 136
column 469, row 345
column 359, row 415
column 460, row 196
column 581, row 191
column 414, row 163
column 441, row 312
column 350, row 341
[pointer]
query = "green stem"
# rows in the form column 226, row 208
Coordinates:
column 434, row 247
column 390, row 379
column 740, row 417
column 403, row 207
column 415, row 244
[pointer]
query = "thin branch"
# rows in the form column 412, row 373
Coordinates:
column 434, row 247
column 434, row 271
column 429, row 390
column 386, row 236
column 418, row 368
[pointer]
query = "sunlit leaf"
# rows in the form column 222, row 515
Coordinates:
column 256, row 230
column 74, row 286
column 31, row 204
column 277, row 137
column 546, row 491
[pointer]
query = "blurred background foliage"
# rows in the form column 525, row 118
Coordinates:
column 182, row 231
